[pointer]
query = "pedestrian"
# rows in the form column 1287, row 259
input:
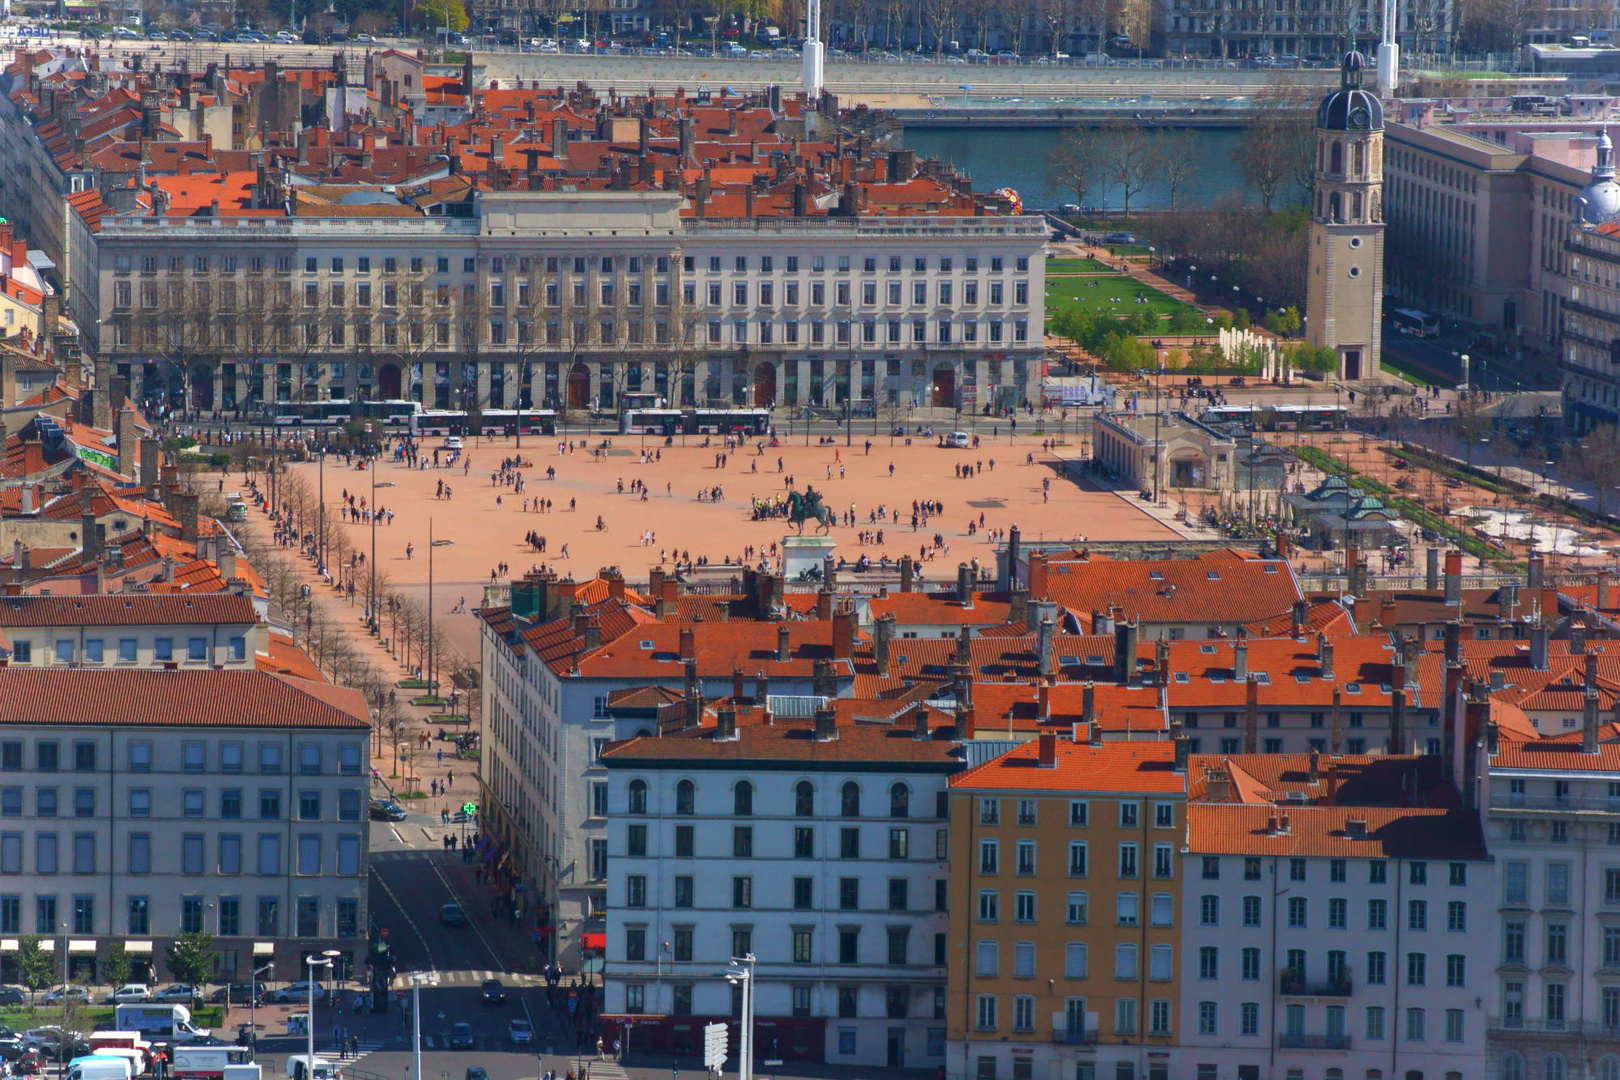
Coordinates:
column 618, row 1053
column 601, row 1049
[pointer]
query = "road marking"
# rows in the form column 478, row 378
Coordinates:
column 493, row 955
column 397, row 837
column 404, row 913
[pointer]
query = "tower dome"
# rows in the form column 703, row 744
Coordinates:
column 1600, row 200
column 1350, row 108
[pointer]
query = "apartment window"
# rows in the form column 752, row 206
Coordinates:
column 898, row 894
column 1456, row 970
column 849, row 843
column 1127, row 860
column 989, row 857
column 742, row 892
column 986, row 1012
column 1125, row 956
column 682, row 944
column 1206, row 1017
column 989, row 906
column 803, row 941
column 803, row 893
column 1378, row 914
column 1375, row 1022
column 1075, row 909
column 1078, row 863
column 1297, row 912
column 1417, row 915
column 1209, row 962
column 1209, row 910
column 1338, row 913
column 683, row 890
column 1557, row 951
column 849, row 894
column 1126, row 909
column 1416, row 1020
column 1417, row 969
column 1163, row 861
column 1375, row 969
column 742, row 841
column 1249, row 964
column 1125, row 1016
column 1211, row 868
column 1251, row 911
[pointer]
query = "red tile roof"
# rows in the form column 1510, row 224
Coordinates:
column 941, row 609
column 126, row 609
column 147, row 698
column 1081, row 767
column 1325, row 831
column 788, row 744
column 1219, row 587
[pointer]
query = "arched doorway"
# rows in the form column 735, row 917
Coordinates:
column 579, row 387
column 764, row 385
column 388, row 383
column 944, row 387
column 202, row 387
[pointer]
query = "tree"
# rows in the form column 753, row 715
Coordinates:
column 1127, row 160
column 191, row 957
column 1283, row 322
column 1175, row 158
column 115, row 969
column 437, row 14
column 1073, row 162
column 35, row 967
column 944, row 16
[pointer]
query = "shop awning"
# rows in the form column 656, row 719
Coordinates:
column 138, row 947
column 81, row 946
column 595, row 941
column 9, row 944
column 264, row 948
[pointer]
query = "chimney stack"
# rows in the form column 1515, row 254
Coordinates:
column 882, row 637
column 1124, row 650
column 129, row 443
column 688, row 644
column 907, row 573
column 1538, row 647
column 1336, row 725
column 1251, row 717
column 1431, row 578
column 1315, row 766
column 919, row 725
column 1324, row 653
column 1046, row 750
column 843, row 634
column 1589, row 721
column 1240, row 660
column 1454, row 562
column 1045, row 650
column 784, row 645
column 1043, row 700
column 826, row 725
column 964, row 585
column 1299, row 611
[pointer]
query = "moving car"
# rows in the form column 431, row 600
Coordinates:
column 520, row 1031
column 461, row 1036
column 477, row 1072
column 386, row 810
column 293, row 993
column 452, row 915
column 239, row 993
column 494, row 993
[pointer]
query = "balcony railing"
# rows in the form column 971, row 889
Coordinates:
column 1539, row 1026
column 1067, row 1037
column 1294, row 986
column 1592, row 803
column 1314, row 1042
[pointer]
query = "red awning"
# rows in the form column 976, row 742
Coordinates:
column 595, row 941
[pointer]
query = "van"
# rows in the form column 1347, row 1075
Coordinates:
column 452, row 442
column 960, row 440
column 98, row 1067
column 768, row 35
column 298, row 1068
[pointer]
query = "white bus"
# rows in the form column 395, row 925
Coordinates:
column 1415, row 322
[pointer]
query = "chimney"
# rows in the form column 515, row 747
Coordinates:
column 226, row 561
column 1603, row 592
column 1183, row 750
column 882, row 636
column 1453, row 642
column 186, row 510
column 1046, row 658
column 1014, row 538
column 1043, row 700
column 1536, row 578
column 688, row 642
column 1217, row 785
column 963, row 654
column 1324, row 654
column 1589, row 721
column 1315, row 766
column 1577, row 635
column 89, row 541
column 102, row 404
column 1431, row 579
column 1251, row 717
column 1336, row 725
column 1591, row 671
column 843, row 634
column 1538, row 647
column 907, row 573
column 822, row 683
column 1046, row 750
column 1300, row 609
column 784, row 648
column 1240, row 660
column 1398, row 740
column 826, row 725
column 762, row 694
column 1507, row 599
column 1124, row 650
column 1454, row 561
column 1357, row 571
column 726, row 726
column 1499, row 680
column 919, row 724
column 1088, row 703
column 129, row 443
column 150, row 451
column 964, row 585
column 824, row 600
column 736, row 684
column 27, row 499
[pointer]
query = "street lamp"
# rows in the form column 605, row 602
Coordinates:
column 417, row 979
column 253, row 1003
column 312, row 962
column 371, row 611
column 741, row 973
column 432, row 689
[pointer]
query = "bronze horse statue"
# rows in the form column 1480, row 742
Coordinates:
column 807, row 507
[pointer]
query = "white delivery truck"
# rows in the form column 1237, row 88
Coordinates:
column 298, row 1068
column 249, row 1071
column 98, row 1067
column 208, row 1062
column 168, row 1023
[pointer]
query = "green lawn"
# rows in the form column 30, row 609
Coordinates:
column 1087, row 265
column 1096, row 294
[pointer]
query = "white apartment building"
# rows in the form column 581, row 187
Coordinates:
column 818, row 848
column 138, row 804
column 565, row 299
column 548, row 679
column 1554, row 829
column 132, row 630
column 1325, row 941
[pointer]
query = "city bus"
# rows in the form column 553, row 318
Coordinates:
column 648, row 421
column 1279, row 417
column 1415, row 322
column 439, row 422
column 519, row 421
column 631, row 400
column 727, row 421
column 391, row 414
column 314, row 413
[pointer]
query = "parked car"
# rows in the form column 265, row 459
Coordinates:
column 520, row 1031
column 461, row 1036
column 293, row 993
column 493, row 993
column 66, row 993
column 386, row 810
column 452, row 915
column 477, row 1072
column 1120, row 238
column 130, row 992
column 177, row 994
column 239, row 993
column 12, row 995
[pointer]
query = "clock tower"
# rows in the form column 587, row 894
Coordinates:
column 1344, row 293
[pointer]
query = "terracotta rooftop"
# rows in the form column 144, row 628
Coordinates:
column 1080, row 767
column 1219, row 587
column 1330, row 832
column 790, row 745
column 145, row 698
column 126, row 609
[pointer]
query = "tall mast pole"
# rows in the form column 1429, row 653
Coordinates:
column 1389, row 54
column 813, row 51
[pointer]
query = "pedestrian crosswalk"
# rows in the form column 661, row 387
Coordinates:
column 367, row 1046
column 475, row 978
column 607, row 1070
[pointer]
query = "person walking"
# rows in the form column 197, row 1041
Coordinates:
column 601, row 1049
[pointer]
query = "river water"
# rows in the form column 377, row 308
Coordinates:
column 1016, row 158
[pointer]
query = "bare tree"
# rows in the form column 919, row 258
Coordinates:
column 1278, row 149
column 944, row 16
column 1127, row 160
column 1175, row 158
column 1056, row 19
column 1075, row 162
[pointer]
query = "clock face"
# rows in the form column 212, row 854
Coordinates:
column 1359, row 118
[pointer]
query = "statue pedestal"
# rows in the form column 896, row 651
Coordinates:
column 799, row 553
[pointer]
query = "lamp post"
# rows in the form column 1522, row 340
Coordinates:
column 320, row 518
column 371, row 607
column 312, row 962
column 433, row 686
column 253, row 1003
column 741, row 973
column 416, row 978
